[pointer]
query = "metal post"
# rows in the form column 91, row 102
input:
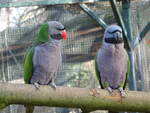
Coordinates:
column 95, row 17
column 126, row 14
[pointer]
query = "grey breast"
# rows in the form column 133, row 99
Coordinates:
column 112, row 65
column 46, row 61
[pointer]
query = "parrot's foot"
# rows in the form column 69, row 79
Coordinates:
column 109, row 89
column 53, row 85
column 36, row 85
column 122, row 93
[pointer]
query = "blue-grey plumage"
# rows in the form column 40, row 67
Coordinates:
column 42, row 61
column 47, row 54
column 112, row 60
column 46, row 62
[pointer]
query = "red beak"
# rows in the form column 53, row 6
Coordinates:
column 64, row 35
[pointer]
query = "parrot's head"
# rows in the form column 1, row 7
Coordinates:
column 56, row 30
column 51, row 30
column 113, row 35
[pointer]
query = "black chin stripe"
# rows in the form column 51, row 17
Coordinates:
column 113, row 41
column 61, row 29
column 56, row 36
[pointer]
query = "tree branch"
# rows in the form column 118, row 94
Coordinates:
column 92, row 99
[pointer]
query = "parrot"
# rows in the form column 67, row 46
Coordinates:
column 112, row 64
column 42, row 61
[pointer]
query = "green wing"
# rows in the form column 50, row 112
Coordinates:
column 42, row 37
column 28, row 65
column 124, row 85
column 98, row 74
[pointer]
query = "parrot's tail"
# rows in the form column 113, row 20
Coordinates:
column 113, row 112
column 2, row 105
column 29, row 109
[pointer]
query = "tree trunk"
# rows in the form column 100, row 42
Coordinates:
column 84, row 98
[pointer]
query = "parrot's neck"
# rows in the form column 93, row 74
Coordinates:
column 52, row 43
column 115, row 46
column 112, row 49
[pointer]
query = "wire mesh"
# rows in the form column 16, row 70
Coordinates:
column 140, row 19
column 20, row 27
column 78, row 51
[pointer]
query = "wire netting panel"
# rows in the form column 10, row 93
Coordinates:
column 78, row 51
column 83, row 33
column 140, row 18
column 19, row 30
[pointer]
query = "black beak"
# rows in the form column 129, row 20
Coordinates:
column 118, row 37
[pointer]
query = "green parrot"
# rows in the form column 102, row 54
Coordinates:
column 27, row 62
column 43, row 59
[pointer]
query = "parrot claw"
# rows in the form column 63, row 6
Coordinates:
column 53, row 85
column 36, row 85
column 109, row 89
column 122, row 93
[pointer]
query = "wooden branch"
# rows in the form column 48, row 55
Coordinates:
column 92, row 99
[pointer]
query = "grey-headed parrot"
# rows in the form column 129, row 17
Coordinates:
column 42, row 61
column 112, row 63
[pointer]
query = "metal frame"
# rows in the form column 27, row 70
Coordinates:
column 93, row 16
column 126, row 14
column 144, row 31
column 24, row 3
